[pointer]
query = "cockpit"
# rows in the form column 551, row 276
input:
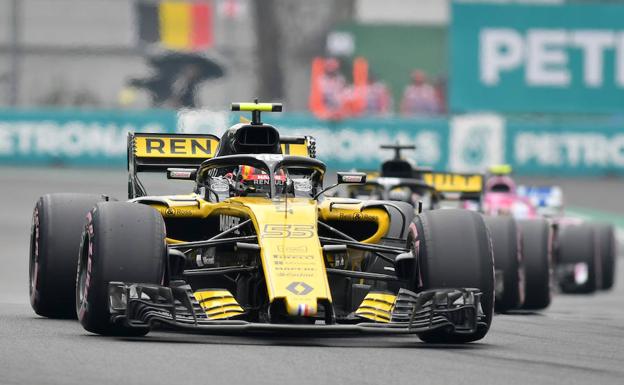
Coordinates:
column 260, row 175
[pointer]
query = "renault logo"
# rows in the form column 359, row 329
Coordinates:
column 299, row 288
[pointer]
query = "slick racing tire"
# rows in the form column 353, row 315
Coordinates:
column 58, row 222
column 537, row 255
column 454, row 251
column 122, row 242
column 605, row 236
column 507, row 263
column 577, row 251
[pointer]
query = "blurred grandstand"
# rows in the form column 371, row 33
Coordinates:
column 354, row 73
column 86, row 53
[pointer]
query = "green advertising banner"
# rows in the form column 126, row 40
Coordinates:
column 355, row 143
column 345, row 144
column 537, row 58
column 565, row 149
column 74, row 137
column 463, row 143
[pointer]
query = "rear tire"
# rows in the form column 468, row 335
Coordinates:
column 454, row 251
column 605, row 235
column 122, row 242
column 58, row 222
column 577, row 245
column 507, row 263
column 537, row 254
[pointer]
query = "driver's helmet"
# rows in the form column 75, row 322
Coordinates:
column 252, row 174
column 403, row 194
column 256, row 181
column 500, row 184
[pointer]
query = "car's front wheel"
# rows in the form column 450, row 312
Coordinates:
column 536, row 250
column 122, row 242
column 454, row 251
column 508, row 264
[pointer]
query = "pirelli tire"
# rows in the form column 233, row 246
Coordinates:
column 537, row 254
column 605, row 236
column 454, row 251
column 123, row 242
column 508, row 264
column 578, row 247
column 58, row 222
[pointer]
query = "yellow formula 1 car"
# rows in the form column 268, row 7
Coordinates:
column 256, row 247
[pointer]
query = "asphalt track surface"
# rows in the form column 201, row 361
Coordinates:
column 578, row 340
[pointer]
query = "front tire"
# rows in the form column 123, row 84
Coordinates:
column 58, row 222
column 122, row 242
column 537, row 253
column 454, row 251
column 508, row 266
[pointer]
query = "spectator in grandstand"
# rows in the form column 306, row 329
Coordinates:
column 327, row 89
column 378, row 97
column 419, row 97
column 440, row 88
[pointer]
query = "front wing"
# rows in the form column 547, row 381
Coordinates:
column 141, row 305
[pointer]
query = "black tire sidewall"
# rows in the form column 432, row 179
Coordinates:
column 577, row 244
column 454, row 250
column 122, row 242
column 504, row 234
column 58, row 220
column 605, row 236
column 537, row 250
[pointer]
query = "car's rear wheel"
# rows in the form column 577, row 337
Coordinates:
column 454, row 251
column 576, row 262
column 122, row 242
column 537, row 253
column 507, row 263
column 58, row 221
column 605, row 237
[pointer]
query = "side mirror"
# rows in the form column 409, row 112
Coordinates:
column 182, row 173
column 345, row 178
column 351, row 177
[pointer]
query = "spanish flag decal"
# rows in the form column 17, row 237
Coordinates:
column 177, row 25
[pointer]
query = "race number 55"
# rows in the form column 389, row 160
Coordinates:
column 287, row 231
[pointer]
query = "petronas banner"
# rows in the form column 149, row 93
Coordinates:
column 465, row 143
column 537, row 58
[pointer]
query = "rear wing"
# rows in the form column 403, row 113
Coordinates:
column 158, row 152
column 461, row 186
column 298, row 145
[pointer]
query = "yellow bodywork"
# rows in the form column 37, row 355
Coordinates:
column 290, row 249
column 454, row 182
column 355, row 211
column 218, row 303
column 171, row 146
column 377, row 307
column 298, row 149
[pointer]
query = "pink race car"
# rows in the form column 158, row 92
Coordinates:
column 581, row 253
column 500, row 198
column 522, row 243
